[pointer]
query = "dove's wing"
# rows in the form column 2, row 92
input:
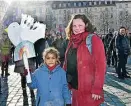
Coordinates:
column 23, row 20
column 33, row 35
column 14, row 33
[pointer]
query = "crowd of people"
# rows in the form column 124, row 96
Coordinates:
column 117, row 47
column 71, row 70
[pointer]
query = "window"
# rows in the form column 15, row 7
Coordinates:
column 84, row 3
column 80, row 4
column 74, row 4
column 64, row 5
column 69, row 5
column 79, row 10
column 75, row 10
column 60, row 5
column 64, row 15
column 126, row 5
column 100, row 9
column 111, row 8
column 99, row 2
column 102, row 2
column 90, row 3
column 94, row 2
column 90, row 9
column 54, row 5
column 113, row 2
column 85, row 10
column 64, row 11
column 59, row 11
column 68, row 12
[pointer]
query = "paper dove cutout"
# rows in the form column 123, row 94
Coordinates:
column 27, row 30
column 23, row 36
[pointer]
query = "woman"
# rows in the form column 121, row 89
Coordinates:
column 85, row 70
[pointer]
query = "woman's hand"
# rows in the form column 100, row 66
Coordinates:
column 96, row 97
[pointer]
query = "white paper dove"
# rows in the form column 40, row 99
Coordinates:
column 27, row 30
column 23, row 36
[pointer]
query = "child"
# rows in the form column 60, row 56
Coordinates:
column 50, row 81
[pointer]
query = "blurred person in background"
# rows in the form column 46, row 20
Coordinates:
column 5, row 48
column 123, row 50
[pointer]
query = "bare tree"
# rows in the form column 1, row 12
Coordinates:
column 124, row 18
column 89, row 14
column 105, row 21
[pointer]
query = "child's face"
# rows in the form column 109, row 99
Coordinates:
column 50, row 59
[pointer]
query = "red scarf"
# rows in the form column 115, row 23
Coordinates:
column 77, row 39
column 51, row 68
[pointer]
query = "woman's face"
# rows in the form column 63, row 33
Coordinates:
column 78, row 26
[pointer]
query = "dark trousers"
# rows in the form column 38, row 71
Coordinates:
column 23, row 82
column 109, row 58
column 114, row 59
column 0, row 84
column 121, row 69
column 4, row 68
column 23, row 85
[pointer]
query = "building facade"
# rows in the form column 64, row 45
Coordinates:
column 104, row 14
column 3, row 8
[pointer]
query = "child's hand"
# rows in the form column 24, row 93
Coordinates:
column 26, row 72
column 96, row 97
column 68, row 104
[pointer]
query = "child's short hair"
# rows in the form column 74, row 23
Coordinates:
column 51, row 50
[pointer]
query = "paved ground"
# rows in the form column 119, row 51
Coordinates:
column 12, row 92
column 117, row 92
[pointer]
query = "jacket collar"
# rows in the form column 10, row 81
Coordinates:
column 44, row 67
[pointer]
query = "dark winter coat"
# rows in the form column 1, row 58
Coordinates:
column 122, row 44
column 60, row 45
